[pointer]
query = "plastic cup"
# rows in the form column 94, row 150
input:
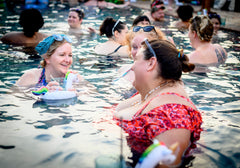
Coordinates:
column 223, row 21
column 109, row 161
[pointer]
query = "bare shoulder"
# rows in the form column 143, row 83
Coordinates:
column 29, row 78
column 12, row 37
column 193, row 57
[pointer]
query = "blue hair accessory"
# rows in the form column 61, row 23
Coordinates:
column 44, row 45
column 179, row 55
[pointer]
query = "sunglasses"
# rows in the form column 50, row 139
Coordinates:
column 149, row 47
column 115, row 26
column 145, row 29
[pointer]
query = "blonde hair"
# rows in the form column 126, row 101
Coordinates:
column 203, row 26
column 51, row 50
column 152, row 35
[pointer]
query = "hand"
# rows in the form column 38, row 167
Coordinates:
column 91, row 30
column 54, row 86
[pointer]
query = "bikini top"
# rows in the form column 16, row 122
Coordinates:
column 42, row 79
column 115, row 50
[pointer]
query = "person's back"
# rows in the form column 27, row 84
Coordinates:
column 185, row 13
column 200, row 35
column 31, row 20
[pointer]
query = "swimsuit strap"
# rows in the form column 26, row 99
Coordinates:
column 115, row 49
column 42, row 79
column 167, row 93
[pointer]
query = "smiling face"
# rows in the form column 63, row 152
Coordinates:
column 216, row 25
column 158, row 15
column 73, row 20
column 60, row 61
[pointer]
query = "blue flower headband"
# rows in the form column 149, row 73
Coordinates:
column 44, row 45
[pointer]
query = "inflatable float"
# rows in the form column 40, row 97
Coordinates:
column 46, row 95
column 157, row 153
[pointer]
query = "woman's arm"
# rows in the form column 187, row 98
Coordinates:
column 181, row 136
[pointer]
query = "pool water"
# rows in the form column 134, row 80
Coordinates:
column 73, row 134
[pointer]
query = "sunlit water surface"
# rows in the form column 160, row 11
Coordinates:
column 75, row 133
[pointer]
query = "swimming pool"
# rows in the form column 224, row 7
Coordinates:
column 72, row 135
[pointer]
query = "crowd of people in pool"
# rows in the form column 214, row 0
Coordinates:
column 161, row 108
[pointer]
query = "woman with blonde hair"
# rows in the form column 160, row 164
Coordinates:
column 56, row 52
column 134, row 39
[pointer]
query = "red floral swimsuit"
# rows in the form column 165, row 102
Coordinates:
column 142, row 129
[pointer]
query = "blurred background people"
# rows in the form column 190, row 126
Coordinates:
column 116, row 31
column 38, row 4
column 205, row 53
column 141, row 20
column 216, row 21
column 157, row 12
column 31, row 21
column 75, row 19
column 104, row 4
column 185, row 13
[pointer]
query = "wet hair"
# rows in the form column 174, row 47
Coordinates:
column 185, row 12
column 154, row 34
column 170, row 60
column 79, row 12
column 203, row 26
column 31, row 20
column 140, row 18
column 51, row 50
column 212, row 15
column 107, row 26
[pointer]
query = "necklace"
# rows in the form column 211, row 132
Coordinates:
column 149, row 93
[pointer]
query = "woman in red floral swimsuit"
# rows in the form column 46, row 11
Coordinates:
column 161, row 109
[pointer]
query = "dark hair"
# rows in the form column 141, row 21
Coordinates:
column 212, row 15
column 78, row 11
column 140, row 18
column 31, row 20
column 171, row 61
column 203, row 26
column 185, row 12
column 107, row 26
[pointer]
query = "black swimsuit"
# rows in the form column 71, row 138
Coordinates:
column 115, row 50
